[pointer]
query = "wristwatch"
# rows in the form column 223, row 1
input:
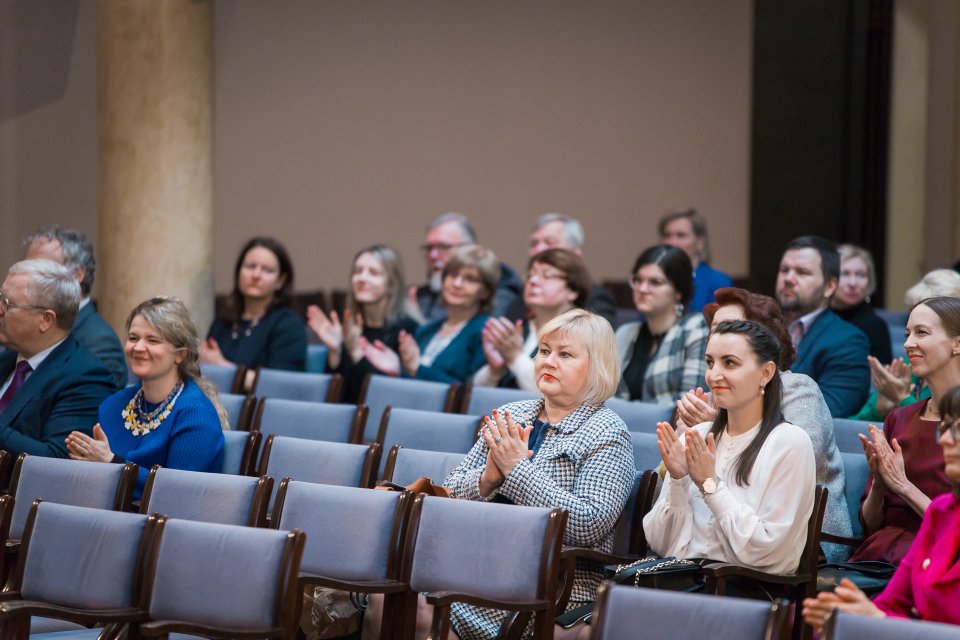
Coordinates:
column 710, row 485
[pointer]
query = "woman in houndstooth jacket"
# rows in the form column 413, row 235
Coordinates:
column 563, row 450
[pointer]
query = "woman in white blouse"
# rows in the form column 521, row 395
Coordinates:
column 739, row 489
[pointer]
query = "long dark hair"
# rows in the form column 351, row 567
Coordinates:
column 767, row 349
column 233, row 312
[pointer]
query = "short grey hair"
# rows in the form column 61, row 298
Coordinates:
column 572, row 229
column 469, row 235
column 596, row 335
column 77, row 251
column 52, row 286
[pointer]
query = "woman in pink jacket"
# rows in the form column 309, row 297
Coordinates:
column 927, row 583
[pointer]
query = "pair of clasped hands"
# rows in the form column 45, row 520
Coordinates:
column 685, row 452
column 508, row 444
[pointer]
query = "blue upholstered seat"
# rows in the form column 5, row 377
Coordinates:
column 207, row 497
column 310, row 420
column 646, row 453
column 221, row 375
column 404, row 465
column 843, row 626
column 640, row 416
column 846, row 432
column 404, row 393
column 297, row 385
column 238, row 407
column 623, row 610
column 428, row 430
column 240, row 451
column 75, row 482
column 480, row 401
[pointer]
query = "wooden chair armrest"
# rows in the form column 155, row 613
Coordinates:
column 9, row 595
column 371, row 586
column 844, row 540
column 723, row 570
column 13, row 608
column 163, row 627
column 513, row 626
column 446, row 598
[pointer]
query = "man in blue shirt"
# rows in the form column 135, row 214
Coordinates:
column 687, row 230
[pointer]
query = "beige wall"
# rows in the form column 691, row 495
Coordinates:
column 339, row 124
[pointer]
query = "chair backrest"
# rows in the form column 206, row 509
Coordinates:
column 406, row 465
column 622, row 610
column 640, row 416
column 846, row 626
column 846, row 432
column 297, row 385
column 378, row 392
column 239, row 410
column 428, row 430
column 628, row 536
column 811, row 548
column 81, row 557
column 353, row 535
column 458, row 546
column 317, row 358
column 73, row 482
column 207, row 497
column 345, row 465
column 226, row 377
column 480, row 401
column 240, row 450
column 646, row 453
column 856, row 473
column 223, row 577
column 310, row 420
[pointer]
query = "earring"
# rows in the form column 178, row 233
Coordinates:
column 679, row 310
column 762, row 390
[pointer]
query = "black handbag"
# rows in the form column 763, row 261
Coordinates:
column 871, row 576
column 671, row 574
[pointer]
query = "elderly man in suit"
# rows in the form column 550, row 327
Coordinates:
column 830, row 350
column 49, row 384
column 72, row 249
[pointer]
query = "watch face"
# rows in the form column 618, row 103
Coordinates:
column 709, row 485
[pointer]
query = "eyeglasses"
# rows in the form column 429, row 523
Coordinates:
column 549, row 275
column 951, row 426
column 6, row 304
column 469, row 278
column 441, row 247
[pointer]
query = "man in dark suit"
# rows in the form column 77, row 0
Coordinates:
column 72, row 249
column 49, row 384
column 830, row 350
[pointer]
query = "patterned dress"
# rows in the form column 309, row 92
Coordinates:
column 584, row 465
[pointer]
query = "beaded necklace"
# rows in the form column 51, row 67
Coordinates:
column 139, row 421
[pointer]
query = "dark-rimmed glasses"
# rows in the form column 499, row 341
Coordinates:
column 951, row 426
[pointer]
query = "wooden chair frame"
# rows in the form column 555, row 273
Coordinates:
column 636, row 546
column 258, row 503
column 6, row 470
column 395, row 589
column 15, row 613
column 245, row 419
column 542, row 610
column 286, row 601
column 357, row 426
column 368, row 474
column 777, row 619
column 802, row 583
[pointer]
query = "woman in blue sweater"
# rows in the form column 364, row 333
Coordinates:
column 172, row 418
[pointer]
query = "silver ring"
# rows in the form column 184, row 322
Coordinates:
column 497, row 439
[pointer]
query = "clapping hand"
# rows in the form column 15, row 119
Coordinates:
column 847, row 597
column 409, row 353
column 80, row 446
column 380, row 356
column 506, row 336
column 701, row 456
column 671, row 450
column 695, row 407
column 885, row 459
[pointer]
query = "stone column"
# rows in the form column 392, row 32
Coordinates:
column 154, row 113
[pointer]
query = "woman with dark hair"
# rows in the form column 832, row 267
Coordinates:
column 662, row 356
column 803, row 405
column 557, row 281
column 739, row 489
column 447, row 350
column 173, row 417
column 925, row 584
column 377, row 309
column 906, row 465
column 258, row 328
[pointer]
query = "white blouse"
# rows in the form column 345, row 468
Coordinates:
column 762, row 525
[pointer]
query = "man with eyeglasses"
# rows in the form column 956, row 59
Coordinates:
column 49, row 384
column 557, row 231
column 444, row 234
column 72, row 249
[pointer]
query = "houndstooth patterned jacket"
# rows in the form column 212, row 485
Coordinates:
column 585, row 466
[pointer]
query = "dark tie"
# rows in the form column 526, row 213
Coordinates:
column 19, row 376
